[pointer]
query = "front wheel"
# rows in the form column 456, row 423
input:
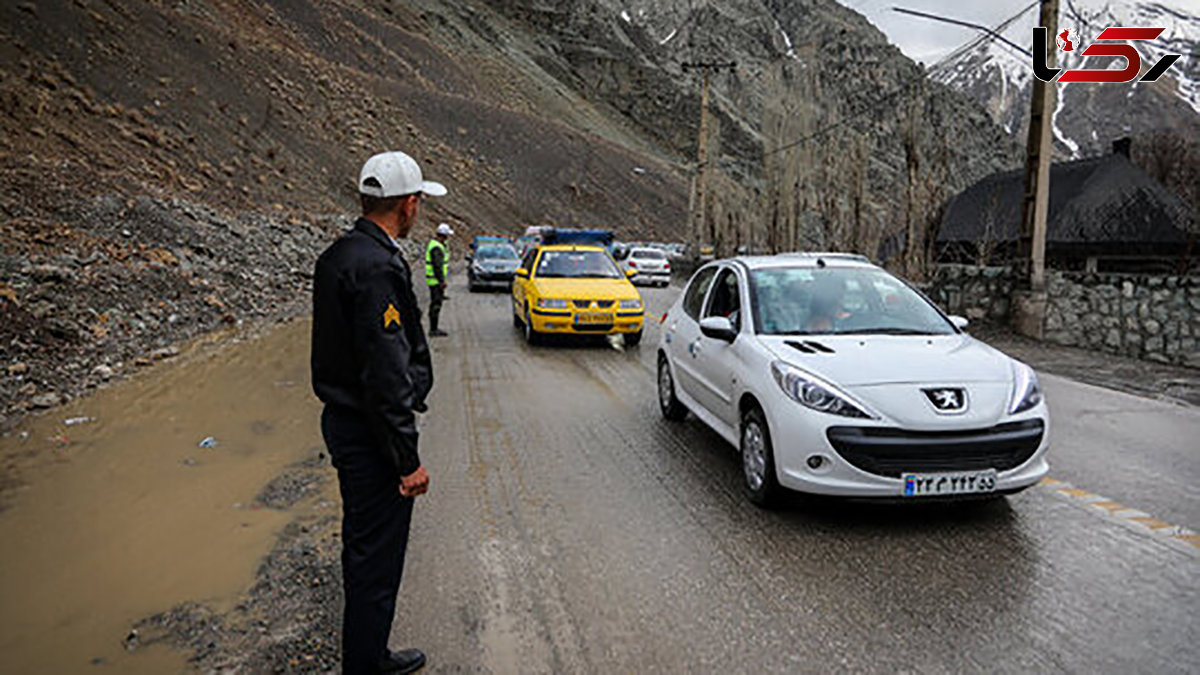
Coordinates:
column 670, row 406
column 758, row 460
column 532, row 337
column 633, row 339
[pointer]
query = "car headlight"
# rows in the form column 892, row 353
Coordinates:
column 631, row 304
column 477, row 267
column 1027, row 393
column 810, row 392
column 551, row 303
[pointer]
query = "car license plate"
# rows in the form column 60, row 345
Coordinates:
column 593, row 317
column 957, row 483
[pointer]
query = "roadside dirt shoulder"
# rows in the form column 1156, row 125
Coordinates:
column 1134, row 376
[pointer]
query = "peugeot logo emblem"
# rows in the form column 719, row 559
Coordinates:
column 947, row 400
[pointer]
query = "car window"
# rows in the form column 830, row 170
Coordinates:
column 530, row 255
column 577, row 264
column 504, row 252
column 725, row 299
column 648, row 254
column 693, row 298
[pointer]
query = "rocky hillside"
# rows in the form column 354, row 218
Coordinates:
column 824, row 134
column 170, row 167
column 1088, row 117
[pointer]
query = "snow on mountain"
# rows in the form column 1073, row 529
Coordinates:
column 1087, row 117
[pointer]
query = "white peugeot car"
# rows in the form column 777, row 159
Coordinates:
column 834, row 377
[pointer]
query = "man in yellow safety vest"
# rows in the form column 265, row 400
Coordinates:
column 437, row 274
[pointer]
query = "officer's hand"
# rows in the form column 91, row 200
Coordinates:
column 415, row 483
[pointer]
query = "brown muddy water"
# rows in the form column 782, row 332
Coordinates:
column 125, row 516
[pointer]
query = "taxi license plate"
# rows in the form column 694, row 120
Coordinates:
column 956, row 483
column 593, row 317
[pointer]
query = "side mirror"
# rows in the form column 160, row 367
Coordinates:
column 522, row 272
column 630, row 273
column 718, row 328
column 960, row 322
column 469, row 257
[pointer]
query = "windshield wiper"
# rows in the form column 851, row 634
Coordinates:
column 885, row 331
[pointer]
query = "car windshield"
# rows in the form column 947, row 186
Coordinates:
column 497, row 253
column 577, row 264
column 648, row 253
column 840, row 301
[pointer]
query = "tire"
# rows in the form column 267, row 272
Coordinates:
column 633, row 339
column 532, row 337
column 517, row 323
column 471, row 287
column 670, row 406
column 758, row 460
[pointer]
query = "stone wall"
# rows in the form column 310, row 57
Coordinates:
column 1149, row 317
column 982, row 294
column 1142, row 316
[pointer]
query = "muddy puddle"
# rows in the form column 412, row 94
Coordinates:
column 117, row 518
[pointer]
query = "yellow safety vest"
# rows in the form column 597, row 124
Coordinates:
column 430, row 278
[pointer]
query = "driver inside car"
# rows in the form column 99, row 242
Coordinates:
column 826, row 309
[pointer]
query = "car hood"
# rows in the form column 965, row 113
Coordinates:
column 894, row 359
column 616, row 289
column 499, row 264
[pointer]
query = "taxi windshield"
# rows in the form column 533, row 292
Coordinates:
column 577, row 265
column 840, row 301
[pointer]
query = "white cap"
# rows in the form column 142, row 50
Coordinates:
column 393, row 174
column 445, row 230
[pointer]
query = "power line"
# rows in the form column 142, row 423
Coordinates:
column 979, row 27
column 889, row 98
column 976, row 42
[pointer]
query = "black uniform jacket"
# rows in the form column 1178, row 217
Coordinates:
column 368, row 349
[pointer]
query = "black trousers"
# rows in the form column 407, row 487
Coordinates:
column 375, row 520
column 436, row 295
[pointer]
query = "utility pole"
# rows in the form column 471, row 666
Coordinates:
column 1029, row 307
column 697, row 225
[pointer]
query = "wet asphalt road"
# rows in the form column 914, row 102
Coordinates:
column 570, row 529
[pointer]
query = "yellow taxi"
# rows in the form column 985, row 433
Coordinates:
column 575, row 290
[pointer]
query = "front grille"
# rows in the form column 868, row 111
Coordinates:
column 604, row 304
column 891, row 452
column 582, row 304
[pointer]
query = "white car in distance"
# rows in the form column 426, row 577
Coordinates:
column 833, row 377
column 652, row 266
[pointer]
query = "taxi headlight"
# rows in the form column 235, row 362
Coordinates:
column 551, row 303
column 808, row 391
column 631, row 304
column 1026, row 391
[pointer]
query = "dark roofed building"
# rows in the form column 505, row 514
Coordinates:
column 1104, row 213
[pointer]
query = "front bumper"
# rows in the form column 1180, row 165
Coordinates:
column 652, row 277
column 564, row 321
column 867, row 458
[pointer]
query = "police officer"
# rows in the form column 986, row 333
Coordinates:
column 371, row 368
column 437, row 272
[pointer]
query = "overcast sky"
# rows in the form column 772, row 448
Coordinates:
column 926, row 40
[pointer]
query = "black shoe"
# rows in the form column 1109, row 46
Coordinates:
column 437, row 332
column 403, row 661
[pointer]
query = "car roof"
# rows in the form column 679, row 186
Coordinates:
column 802, row 259
column 571, row 247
